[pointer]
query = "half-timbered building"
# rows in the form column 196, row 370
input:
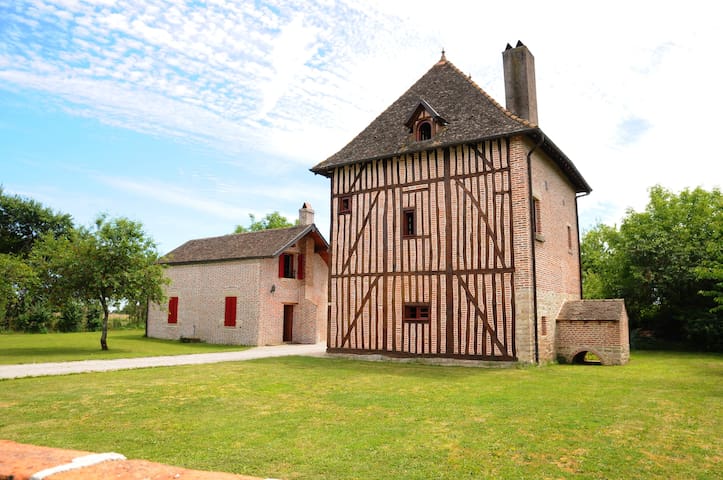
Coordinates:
column 454, row 226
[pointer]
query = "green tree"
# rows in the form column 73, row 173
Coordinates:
column 112, row 261
column 270, row 221
column 666, row 262
column 23, row 221
column 16, row 277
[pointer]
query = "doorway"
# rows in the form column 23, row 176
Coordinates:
column 288, row 323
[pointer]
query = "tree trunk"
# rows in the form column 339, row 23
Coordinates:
column 104, row 329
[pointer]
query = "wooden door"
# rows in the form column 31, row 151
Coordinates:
column 288, row 323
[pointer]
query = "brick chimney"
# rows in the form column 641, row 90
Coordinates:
column 306, row 214
column 520, row 90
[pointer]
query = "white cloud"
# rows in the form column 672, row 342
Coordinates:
column 627, row 89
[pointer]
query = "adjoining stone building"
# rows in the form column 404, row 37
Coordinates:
column 256, row 288
column 454, row 225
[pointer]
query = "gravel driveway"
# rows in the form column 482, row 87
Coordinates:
column 64, row 368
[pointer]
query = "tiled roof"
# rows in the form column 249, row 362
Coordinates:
column 582, row 310
column 471, row 115
column 265, row 243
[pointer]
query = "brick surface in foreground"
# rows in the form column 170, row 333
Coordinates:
column 20, row 462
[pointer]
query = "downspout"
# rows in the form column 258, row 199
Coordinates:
column 579, row 253
column 532, row 242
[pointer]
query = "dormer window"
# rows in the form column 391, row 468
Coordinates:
column 424, row 131
column 424, row 122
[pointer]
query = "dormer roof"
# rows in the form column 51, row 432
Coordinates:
column 423, row 106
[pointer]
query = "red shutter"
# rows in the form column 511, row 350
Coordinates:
column 300, row 272
column 173, row 310
column 230, row 313
column 281, row 265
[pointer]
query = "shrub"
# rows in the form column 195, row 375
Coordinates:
column 35, row 319
column 705, row 332
column 71, row 317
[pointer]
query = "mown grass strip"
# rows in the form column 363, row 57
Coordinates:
column 296, row 418
column 19, row 348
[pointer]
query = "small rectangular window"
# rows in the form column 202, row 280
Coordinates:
column 286, row 265
column 543, row 326
column 344, row 204
column 569, row 237
column 229, row 318
column 416, row 312
column 409, row 227
column 536, row 215
column 173, row 310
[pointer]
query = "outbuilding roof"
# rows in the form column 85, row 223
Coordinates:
column 470, row 115
column 238, row 246
column 587, row 310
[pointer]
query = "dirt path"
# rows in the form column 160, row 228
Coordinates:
column 64, row 368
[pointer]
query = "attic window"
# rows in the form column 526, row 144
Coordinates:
column 424, row 131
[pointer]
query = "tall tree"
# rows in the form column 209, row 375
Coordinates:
column 270, row 221
column 23, row 221
column 112, row 261
column 666, row 262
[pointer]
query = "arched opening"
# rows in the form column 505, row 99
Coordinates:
column 425, row 131
column 586, row 358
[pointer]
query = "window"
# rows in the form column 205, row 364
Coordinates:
column 344, row 205
column 409, row 227
column 416, row 312
column 536, row 216
column 424, row 131
column 229, row 317
column 286, row 265
column 543, row 326
column 569, row 237
column 173, row 310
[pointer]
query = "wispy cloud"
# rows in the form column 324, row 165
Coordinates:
column 174, row 196
column 226, row 73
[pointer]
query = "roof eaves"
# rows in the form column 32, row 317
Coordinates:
column 418, row 147
column 295, row 239
column 215, row 260
column 561, row 159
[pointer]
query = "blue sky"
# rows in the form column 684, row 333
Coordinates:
column 189, row 116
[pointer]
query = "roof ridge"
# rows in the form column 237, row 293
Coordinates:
column 494, row 102
column 245, row 233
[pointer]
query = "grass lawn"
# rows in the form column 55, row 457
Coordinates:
column 316, row 418
column 16, row 348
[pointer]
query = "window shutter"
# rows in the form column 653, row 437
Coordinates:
column 230, row 313
column 173, row 310
column 300, row 272
column 281, row 265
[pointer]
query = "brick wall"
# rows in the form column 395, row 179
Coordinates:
column 201, row 290
column 596, row 326
column 308, row 298
column 556, row 250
